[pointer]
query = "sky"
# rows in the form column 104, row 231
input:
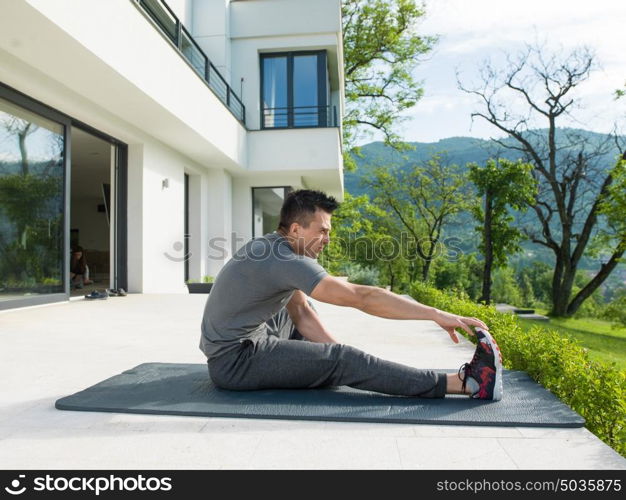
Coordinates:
column 472, row 31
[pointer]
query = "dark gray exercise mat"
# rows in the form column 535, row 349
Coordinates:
column 186, row 389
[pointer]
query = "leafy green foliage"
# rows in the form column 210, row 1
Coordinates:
column 31, row 251
column 538, row 275
column 461, row 275
column 537, row 85
column 361, row 275
column 612, row 206
column 503, row 185
column 381, row 50
column 420, row 202
column 505, row 287
column 615, row 311
column 595, row 390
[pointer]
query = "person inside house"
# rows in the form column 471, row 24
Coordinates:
column 79, row 270
column 259, row 330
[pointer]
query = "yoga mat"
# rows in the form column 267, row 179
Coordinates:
column 186, row 389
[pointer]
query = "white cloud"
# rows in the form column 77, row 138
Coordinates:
column 471, row 31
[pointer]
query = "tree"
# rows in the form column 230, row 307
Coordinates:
column 616, row 310
column 502, row 185
column 459, row 274
column 21, row 129
column 538, row 274
column 527, row 295
column 505, row 287
column 364, row 237
column 381, row 50
column 422, row 200
column 29, row 201
column 534, row 88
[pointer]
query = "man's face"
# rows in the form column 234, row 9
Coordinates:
column 311, row 240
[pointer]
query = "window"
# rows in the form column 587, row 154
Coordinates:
column 31, row 203
column 294, row 90
column 266, row 205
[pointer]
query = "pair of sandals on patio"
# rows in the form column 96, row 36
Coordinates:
column 109, row 292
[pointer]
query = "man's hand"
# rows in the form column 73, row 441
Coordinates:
column 450, row 322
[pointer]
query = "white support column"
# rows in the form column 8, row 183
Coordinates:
column 135, row 218
column 220, row 220
column 198, row 230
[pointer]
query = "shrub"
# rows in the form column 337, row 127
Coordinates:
column 595, row 390
column 616, row 311
column 504, row 287
column 361, row 275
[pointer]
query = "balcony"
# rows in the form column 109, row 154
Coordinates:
column 171, row 27
column 300, row 117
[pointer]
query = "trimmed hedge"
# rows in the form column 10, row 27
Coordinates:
column 595, row 390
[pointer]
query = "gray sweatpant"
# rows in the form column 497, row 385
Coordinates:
column 285, row 360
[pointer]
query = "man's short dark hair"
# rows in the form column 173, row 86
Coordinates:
column 299, row 206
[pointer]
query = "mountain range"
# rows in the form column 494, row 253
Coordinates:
column 464, row 150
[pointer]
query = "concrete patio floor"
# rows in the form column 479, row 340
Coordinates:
column 51, row 351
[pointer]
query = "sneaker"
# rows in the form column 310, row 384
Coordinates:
column 97, row 295
column 485, row 368
column 116, row 292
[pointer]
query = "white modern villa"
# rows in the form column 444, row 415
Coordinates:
column 158, row 135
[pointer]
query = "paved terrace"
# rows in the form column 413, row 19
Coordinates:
column 51, row 351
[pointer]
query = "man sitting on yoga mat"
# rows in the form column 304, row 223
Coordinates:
column 257, row 320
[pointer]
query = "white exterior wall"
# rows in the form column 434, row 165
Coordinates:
column 135, row 224
column 220, row 229
column 163, row 220
column 134, row 87
column 156, row 219
column 155, row 215
column 284, row 17
column 136, row 74
column 210, row 27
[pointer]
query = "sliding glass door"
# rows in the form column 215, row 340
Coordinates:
column 32, row 199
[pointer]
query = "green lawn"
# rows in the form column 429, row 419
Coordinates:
column 603, row 341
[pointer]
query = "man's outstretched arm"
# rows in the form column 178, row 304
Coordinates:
column 383, row 303
column 306, row 319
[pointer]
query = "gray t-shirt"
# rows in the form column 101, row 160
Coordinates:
column 251, row 287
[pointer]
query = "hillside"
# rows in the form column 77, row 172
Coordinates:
column 459, row 150
column 464, row 150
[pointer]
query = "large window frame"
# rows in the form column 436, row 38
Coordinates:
column 325, row 117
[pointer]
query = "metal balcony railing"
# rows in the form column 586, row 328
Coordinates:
column 300, row 116
column 173, row 29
